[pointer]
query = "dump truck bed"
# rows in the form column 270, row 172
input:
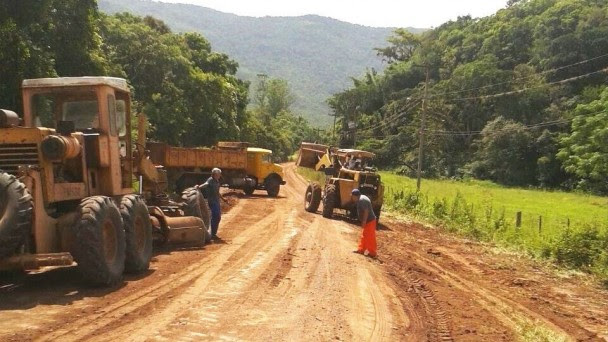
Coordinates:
column 234, row 158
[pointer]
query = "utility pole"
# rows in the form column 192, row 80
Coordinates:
column 422, row 128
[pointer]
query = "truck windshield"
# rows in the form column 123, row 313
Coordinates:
column 82, row 109
column 267, row 158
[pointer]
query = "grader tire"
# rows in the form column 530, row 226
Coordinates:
column 16, row 208
column 99, row 241
column 138, row 233
column 312, row 199
column 329, row 201
column 196, row 205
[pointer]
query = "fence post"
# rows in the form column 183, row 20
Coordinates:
column 518, row 219
column 568, row 222
column 540, row 224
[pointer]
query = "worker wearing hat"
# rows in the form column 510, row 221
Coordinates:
column 212, row 186
column 368, row 223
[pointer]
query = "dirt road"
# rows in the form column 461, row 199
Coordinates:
column 281, row 273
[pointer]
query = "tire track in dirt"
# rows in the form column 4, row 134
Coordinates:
column 226, row 293
column 160, row 291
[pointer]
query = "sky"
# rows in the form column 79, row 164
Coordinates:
column 378, row 13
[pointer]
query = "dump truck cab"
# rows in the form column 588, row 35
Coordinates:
column 261, row 166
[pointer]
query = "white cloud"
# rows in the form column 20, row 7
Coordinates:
column 416, row 13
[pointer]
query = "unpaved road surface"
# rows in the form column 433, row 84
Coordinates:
column 282, row 274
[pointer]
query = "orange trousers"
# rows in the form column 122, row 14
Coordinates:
column 368, row 238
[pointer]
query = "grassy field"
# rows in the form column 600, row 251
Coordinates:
column 569, row 228
column 555, row 207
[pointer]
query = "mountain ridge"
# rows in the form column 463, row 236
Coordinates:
column 317, row 55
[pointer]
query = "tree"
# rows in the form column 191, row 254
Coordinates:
column 402, row 46
column 506, row 154
column 584, row 152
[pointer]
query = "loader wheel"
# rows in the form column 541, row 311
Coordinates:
column 329, row 201
column 138, row 233
column 196, row 205
column 15, row 214
column 312, row 198
column 99, row 244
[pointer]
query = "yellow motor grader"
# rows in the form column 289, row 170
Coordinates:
column 67, row 179
column 345, row 170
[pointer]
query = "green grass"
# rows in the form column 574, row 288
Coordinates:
column 312, row 175
column 555, row 207
column 570, row 228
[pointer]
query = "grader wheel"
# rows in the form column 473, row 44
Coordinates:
column 196, row 205
column 99, row 245
column 138, row 233
column 15, row 214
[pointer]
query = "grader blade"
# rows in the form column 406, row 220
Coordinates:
column 185, row 229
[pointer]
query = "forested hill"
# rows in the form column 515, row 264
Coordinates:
column 519, row 97
column 316, row 55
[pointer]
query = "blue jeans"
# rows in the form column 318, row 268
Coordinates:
column 216, row 216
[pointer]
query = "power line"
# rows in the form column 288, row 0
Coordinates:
column 531, row 126
column 575, row 78
column 521, row 78
column 392, row 119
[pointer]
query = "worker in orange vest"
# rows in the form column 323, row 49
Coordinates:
column 368, row 223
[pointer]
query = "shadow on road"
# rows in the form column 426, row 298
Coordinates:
column 55, row 286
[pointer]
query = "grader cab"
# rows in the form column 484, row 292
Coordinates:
column 68, row 172
column 345, row 170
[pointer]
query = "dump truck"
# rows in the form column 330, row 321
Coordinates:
column 243, row 167
column 69, row 169
column 345, row 170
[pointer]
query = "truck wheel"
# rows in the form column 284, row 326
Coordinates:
column 196, row 205
column 99, row 244
column 15, row 214
column 138, row 233
column 329, row 201
column 312, row 198
column 273, row 185
column 248, row 190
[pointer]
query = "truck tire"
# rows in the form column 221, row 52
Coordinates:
column 99, row 241
column 138, row 233
column 273, row 185
column 248, row 190
column 312, row 199
column 196, row 205
column 15, row 214
column 329, row 201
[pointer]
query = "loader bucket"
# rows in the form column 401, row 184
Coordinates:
column 310, row 154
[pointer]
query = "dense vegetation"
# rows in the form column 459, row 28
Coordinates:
column 315, row 55
column 519, row 98
column 189, row 92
